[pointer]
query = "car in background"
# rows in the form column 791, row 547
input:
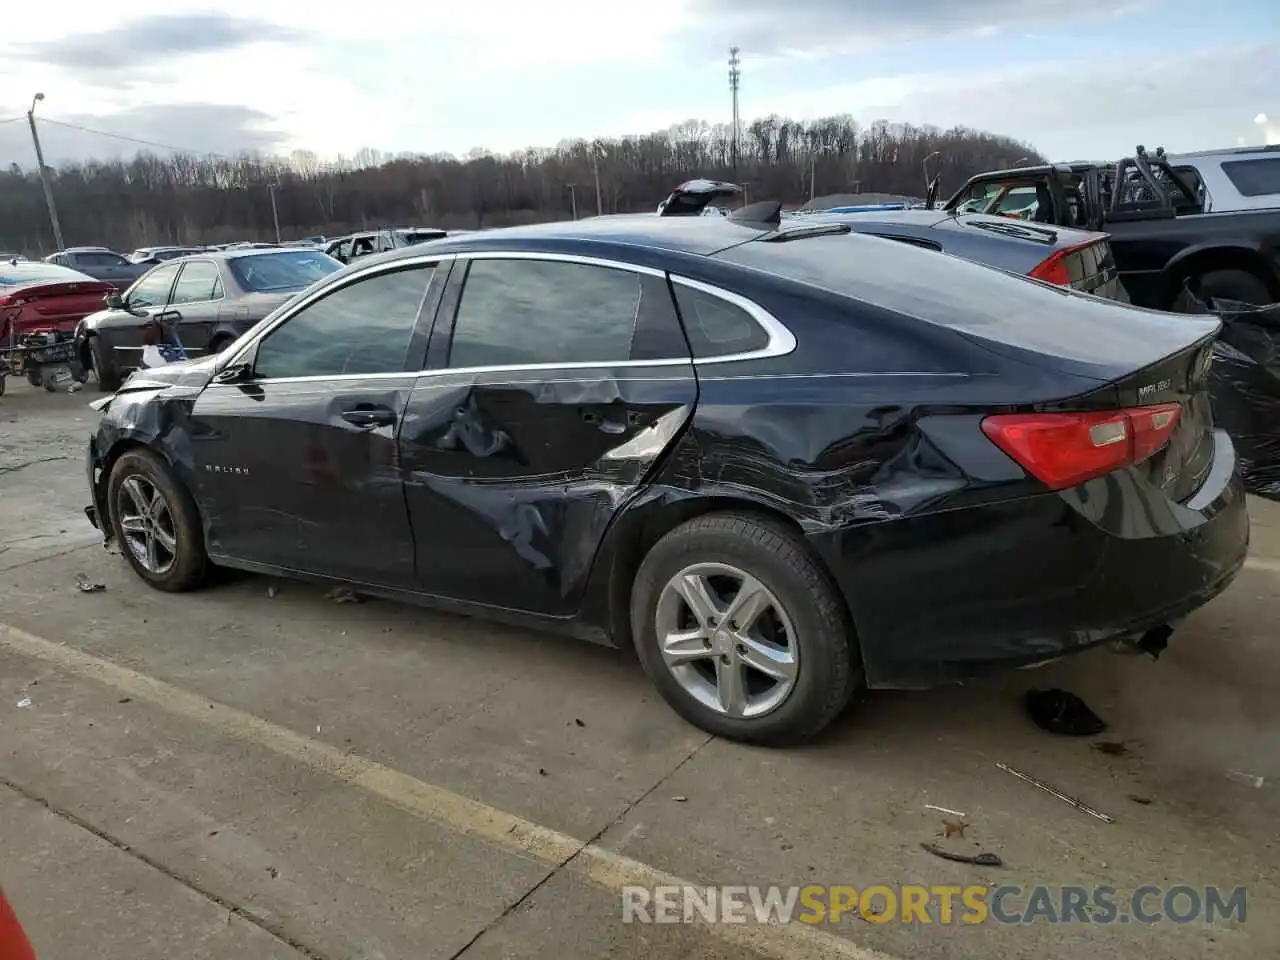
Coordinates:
column 9, row 257
column 200, row 303
column 154, row 255
column 357, row 245
column 40, row 306
column 100, row 263
column 14, row 944
column 1079, row 259
column 784, row 462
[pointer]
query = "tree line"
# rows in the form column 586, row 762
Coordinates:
column 182, row 198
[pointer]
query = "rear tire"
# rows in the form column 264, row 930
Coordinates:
column 34, row 378
column 1238, row 285
column 798, row 630
column 219, row 344
column 156, row 523
column 109, row 379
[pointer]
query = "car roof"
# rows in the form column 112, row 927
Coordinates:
column 700, row 236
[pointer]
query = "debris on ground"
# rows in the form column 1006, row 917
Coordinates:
column 679, row 799
column 86, row 585
column 1252, row 779
column 273, row 872
column 954, row 828
column 578, row 722
column 24, row 703
column 935, row 807
column 1054, row 792
column 272, row 591
column 977, row 859
column 343, row 595
column 1059, row 711
column 125, row 700
column 1112, row 748
column 1145, row 801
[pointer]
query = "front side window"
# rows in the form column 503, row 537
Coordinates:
column 517, row 311
column 362, row 328
column 153, row 289
column 198, row 283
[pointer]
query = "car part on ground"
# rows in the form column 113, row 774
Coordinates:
column 1153, row 207
column 1245, row 386
column 758, row 452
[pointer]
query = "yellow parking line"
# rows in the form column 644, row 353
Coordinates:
column 606, row 868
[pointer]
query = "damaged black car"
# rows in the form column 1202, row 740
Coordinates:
column 782, row 462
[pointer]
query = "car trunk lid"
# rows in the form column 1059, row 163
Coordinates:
column 48, row 306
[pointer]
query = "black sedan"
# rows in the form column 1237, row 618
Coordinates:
column 773, row 460
column 198, row 304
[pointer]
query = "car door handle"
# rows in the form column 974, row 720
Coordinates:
column 369, row 416
column 168, row 316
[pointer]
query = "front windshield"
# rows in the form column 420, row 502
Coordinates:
column 282, row 272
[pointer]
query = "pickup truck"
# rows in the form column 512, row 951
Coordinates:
column 1208, row 223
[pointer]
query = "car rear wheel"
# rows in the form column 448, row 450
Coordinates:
column 156, row 522
column 742, row 631
column 108, row 378
column 1237, row 285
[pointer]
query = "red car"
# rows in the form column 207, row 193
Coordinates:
column 40, row 305
column 14, row 944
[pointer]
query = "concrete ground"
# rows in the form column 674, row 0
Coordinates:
column 254, row 770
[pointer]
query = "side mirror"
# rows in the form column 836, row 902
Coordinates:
column 235, row 373
column 113, row 300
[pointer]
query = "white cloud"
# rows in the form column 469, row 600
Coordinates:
column 504, row 74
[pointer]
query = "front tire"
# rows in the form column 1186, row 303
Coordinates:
column 108, row 377
column 156, row 522
column 742, row 631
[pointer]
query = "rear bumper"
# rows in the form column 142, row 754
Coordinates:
column 953, row 594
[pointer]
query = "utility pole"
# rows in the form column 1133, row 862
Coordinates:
column 813, row 167
column 735, row 78
column 44, row 173
column 595, row 169
column 275, row 214
column 925, row 165
column 573, row 200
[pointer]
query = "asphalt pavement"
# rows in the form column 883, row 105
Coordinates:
column 257, row 770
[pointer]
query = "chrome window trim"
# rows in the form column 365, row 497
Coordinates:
column 781, row 340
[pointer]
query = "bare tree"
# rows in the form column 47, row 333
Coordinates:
column 184, row 199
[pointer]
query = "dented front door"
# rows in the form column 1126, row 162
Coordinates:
column 515, row 470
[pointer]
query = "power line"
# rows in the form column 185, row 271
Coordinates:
column 20, row 116
column 137, row 140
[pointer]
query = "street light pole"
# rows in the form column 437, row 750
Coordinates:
column 925, row 165
column 275, row 214
column 44, row 173
column 573, row 200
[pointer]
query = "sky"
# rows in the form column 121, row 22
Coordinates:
column 1080, row 81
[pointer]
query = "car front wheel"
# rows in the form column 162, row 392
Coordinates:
column 156, row 522
column 108, row 378
column 742, row 631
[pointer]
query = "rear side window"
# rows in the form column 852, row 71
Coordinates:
column 715, row 327
column 1254, row 178
column 519, row 312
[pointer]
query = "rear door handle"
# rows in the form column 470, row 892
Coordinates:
column 369, row 416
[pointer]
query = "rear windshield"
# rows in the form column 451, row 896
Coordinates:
column 282, row 272
column 34, row 275
column 413, row 237
column 973, row 299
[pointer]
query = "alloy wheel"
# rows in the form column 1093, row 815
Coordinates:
column 146, row 525
column 727, row 640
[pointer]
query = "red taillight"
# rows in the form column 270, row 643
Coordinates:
column 1054, row 270
column 1065, row 449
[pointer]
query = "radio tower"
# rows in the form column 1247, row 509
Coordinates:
column 735, row 78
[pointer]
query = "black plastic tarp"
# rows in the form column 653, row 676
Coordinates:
column 1244, row 384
